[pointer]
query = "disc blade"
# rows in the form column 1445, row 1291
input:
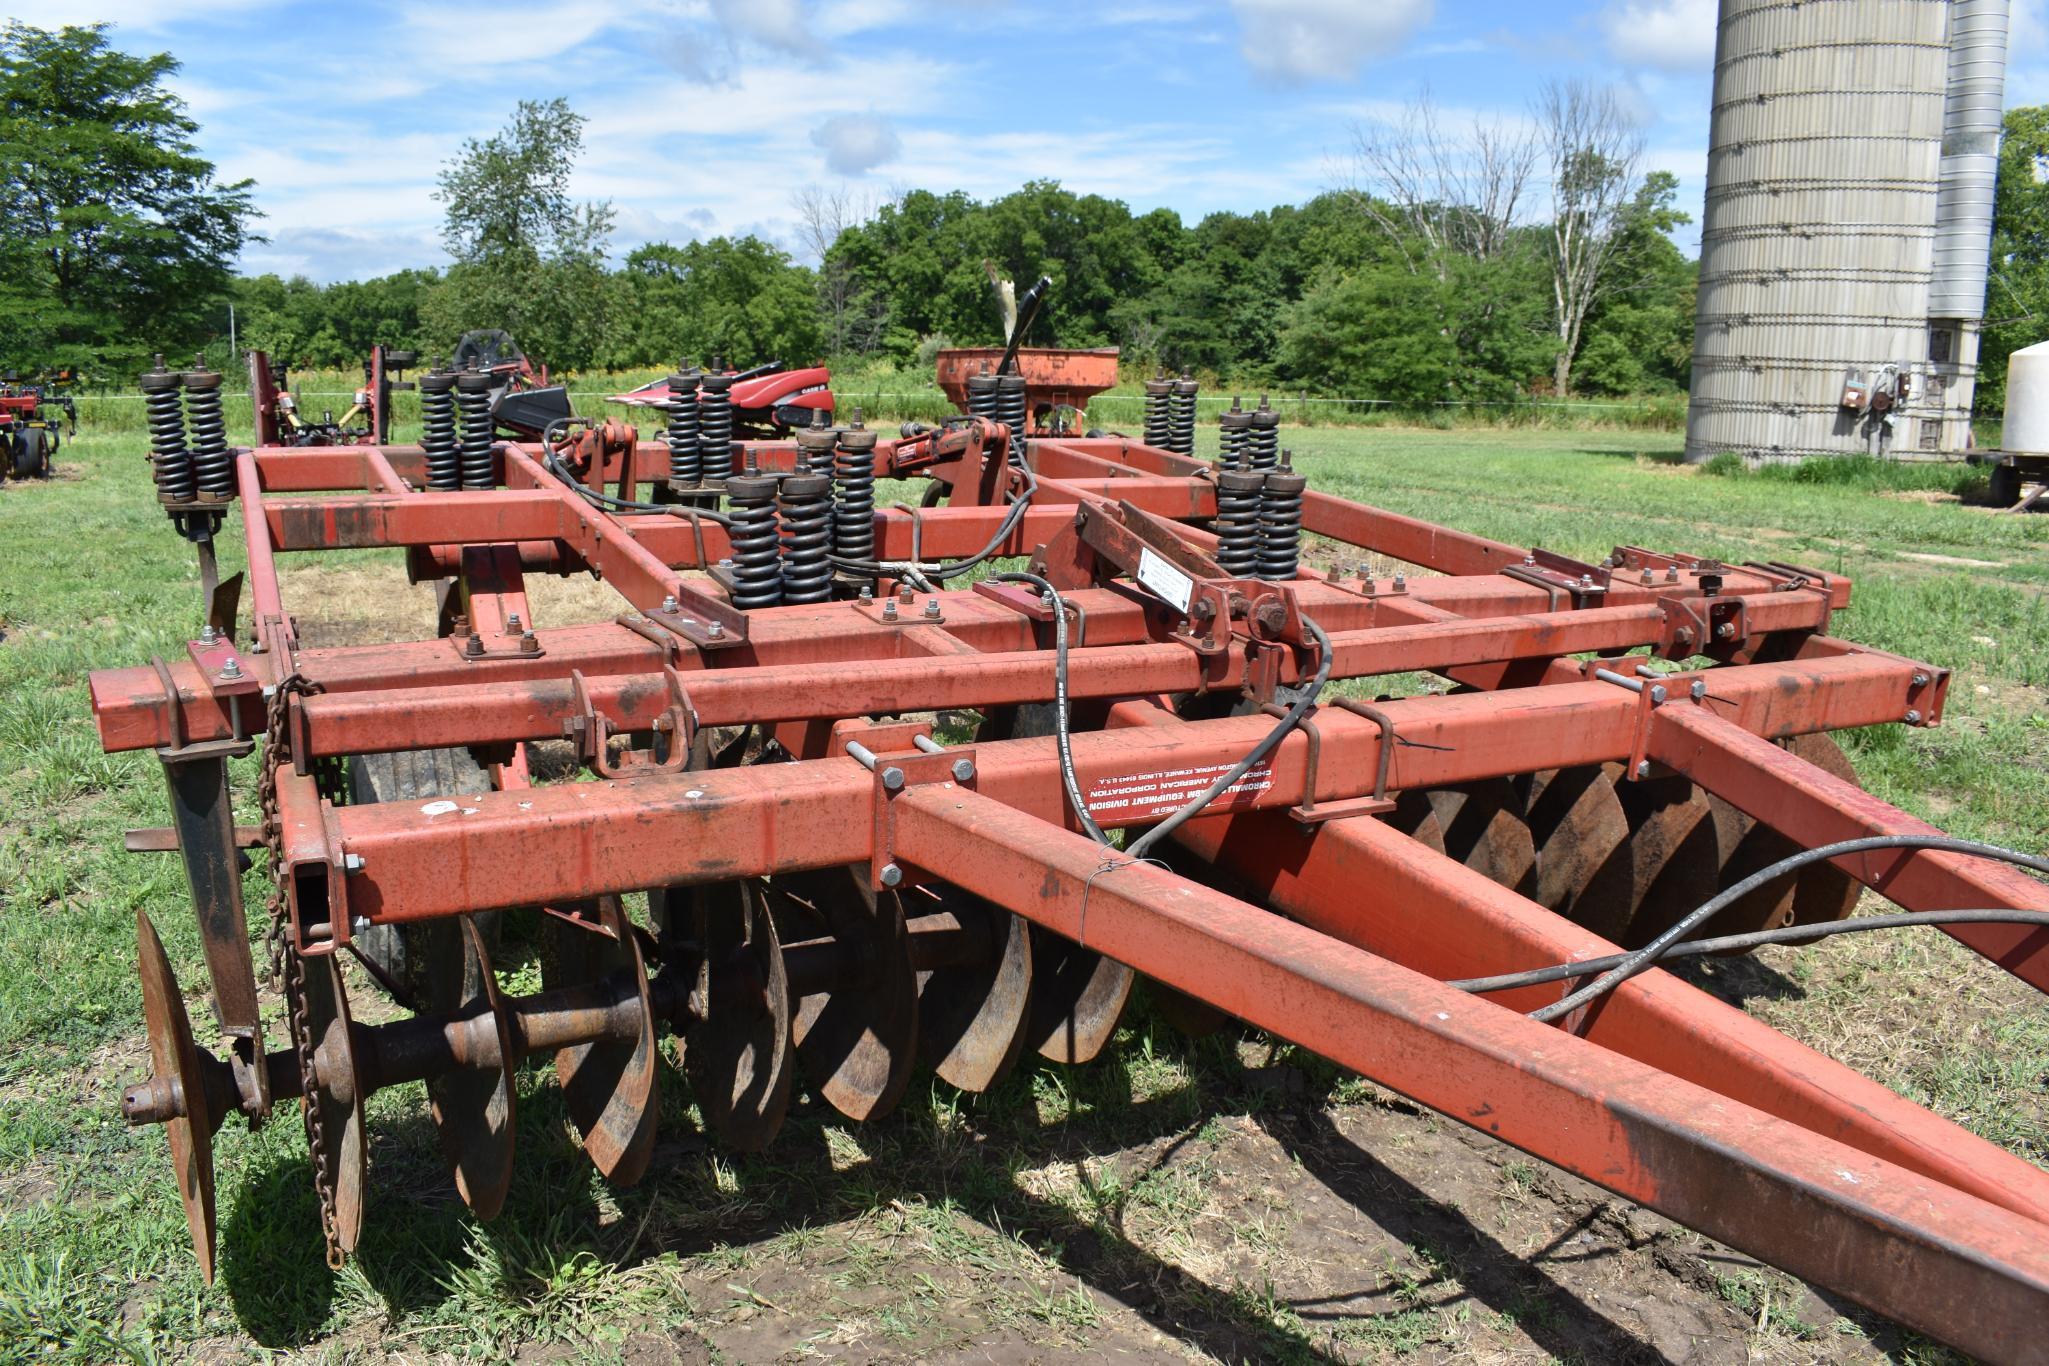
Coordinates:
column 738, row 1056
column 1484, row 829
column 857, row 1041
column 1577, row 823
column 334, row 1113
column 473, row 1107
column 173, row 1056
column 608, row 1084
column 1672, row 862
column 971, row 1015
column 1078, row 996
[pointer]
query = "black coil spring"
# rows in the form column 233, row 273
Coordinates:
column 473, row 397
column 853, row 488
column 757, row 542
column 437, row 431
column 1280, row 522
column 1158, row 392
column 1009, row 406
column 170, row 457
column 715, row 427
column 1231, row 427
column 212, row 466
column 805, row 509
column 1262, row 439
column 1181, row 418
column 1237, row 525
column 686, row 456
column 982, row 395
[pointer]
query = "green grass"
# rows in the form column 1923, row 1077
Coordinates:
column 1006, row 1202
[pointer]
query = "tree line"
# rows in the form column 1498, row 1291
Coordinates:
column 1476, row 262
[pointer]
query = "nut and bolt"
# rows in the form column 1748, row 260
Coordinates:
column 209, row 633
column 1529, row 561
column 1643, row 768
column 716, row 630
column 1647, row 575
column 1671, row 573
column 906, row 596
column 963, row 769
column 1726, row 631
column 892, row 779
column 1913, row 716
column 1698, row 690
column 932, row 608
column 889, row 609
column 892, row 875
column 352, row 863
column 669, row 603
column 528, row 644
column 474, row 645
column 867, row 592
column 1658, row 693
column 231, row 668
column 1920, row 680
column 512, row 625
column 1401, row 581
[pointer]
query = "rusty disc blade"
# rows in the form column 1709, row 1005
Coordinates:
column 1484, row 829
column 334, row 1125
column 174, row 1057
column 1415, row 817
column 608, row 1084
column 971, row 1014
column 1577, row 823
column 1078, row 996
column 858, row 1040
column 1824, row 891
column 473, row 1106
column 738, row 1055
column 1673, row 861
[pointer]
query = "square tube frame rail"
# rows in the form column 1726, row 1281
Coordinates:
column 1657, row 1092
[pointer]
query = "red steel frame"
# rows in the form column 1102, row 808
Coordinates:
column 1658, row 1092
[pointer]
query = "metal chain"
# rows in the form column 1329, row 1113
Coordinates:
column 287, row 968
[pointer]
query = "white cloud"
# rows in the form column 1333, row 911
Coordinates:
column 1672, row 35
column 1324, row 40
column 856, row 143
column 778, row 25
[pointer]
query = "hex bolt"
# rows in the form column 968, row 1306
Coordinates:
column 529, row 644
column 512, row 627
column 867, row 592
column 963, row 769
column 209, row 633
column 1647, row 575
column 1586, row 581
column 932, row 607
column 892, row 779
column 669, row 603
column 359, row 924
column 352, row 863
column 1913, row 716
column 889, row 609
column 1726, row 631
column 1401, row 581
column 716, row 630
column 1920, row 680
column 1658, row 693
column 906, row 596
column 1529, row 560
column 1698, row 690
column 891, row 875
column 1671, row 573
column 1643, row 768
column 231, row 668
column 474, row 645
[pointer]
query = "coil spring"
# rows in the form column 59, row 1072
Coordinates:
column 1238, row 522
column 473, row 397
column 1010, row 408
column 1181, row 417
column 686, row 456
column 982, row 395
column 437, row 436
column 715, row 427
column 1280, row 521
column 805, row 507
column 1158, row 393
column 853, row 483
column 212, row 467
column 170, row 458
column 1231, row 426
column 757, row 542
column 1261, row 443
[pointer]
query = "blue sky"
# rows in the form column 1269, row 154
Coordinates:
column 706, row 116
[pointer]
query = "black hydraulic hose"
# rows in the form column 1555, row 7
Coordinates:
column 1020, row 501
column 1726, row 943
column 1646, row 957
column 600, row 498
column 1061, row 736
column 1027, row 314
column 1259, row 751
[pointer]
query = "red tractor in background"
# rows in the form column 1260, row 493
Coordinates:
column 281, row 422
column 769, row 401
column 29, row 435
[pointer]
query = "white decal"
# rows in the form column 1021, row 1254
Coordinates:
column 1141, row 796
column 1167, row 581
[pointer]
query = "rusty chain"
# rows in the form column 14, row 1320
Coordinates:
column 287, row 968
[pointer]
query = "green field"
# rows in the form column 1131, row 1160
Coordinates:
column 1064, row 1214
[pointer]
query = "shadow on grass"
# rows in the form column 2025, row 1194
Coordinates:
column 1673, row 455
column 423, row 1257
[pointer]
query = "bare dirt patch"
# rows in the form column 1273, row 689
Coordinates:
column 355, row 604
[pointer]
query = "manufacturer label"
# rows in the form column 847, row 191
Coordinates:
column 1142, row 796
column 1166, row 581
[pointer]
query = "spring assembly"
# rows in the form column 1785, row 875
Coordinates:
column 1280, row 520
column 715, row 427
column 170, row 459
column 686, row 457
column 213, row 468
column 1238, row 521
column 853, row 488
column 1011, row 409
column 1159, row 392
column 1262, row 440
column 473, row 397
column 805, row 508
column 437, row 430
column 1181, row 416
column 757, row 544
column 1231, row 427
column 982, row 399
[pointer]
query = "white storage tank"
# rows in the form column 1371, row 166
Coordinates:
column 2027, row 401
column 1844, row 241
